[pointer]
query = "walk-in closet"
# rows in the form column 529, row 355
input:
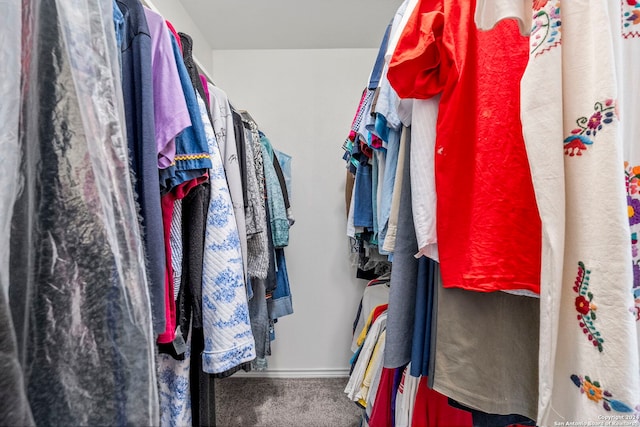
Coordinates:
column 384, row 213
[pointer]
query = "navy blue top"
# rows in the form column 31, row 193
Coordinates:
column 137, row 89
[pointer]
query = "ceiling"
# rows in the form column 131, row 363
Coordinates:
column 292, row 24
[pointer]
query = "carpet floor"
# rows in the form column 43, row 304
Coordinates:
column 284, row 402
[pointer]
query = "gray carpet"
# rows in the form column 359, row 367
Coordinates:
column 284, row 402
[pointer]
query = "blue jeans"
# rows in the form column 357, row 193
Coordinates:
column 280, row 303
column 363, row 198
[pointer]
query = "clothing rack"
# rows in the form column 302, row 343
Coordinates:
column 206, row 411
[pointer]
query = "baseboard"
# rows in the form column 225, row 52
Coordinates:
column 295, row 373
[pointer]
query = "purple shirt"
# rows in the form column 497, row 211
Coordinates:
column 170, row 108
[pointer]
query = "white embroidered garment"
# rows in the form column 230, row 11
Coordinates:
column 588, row 344
column 228, row 340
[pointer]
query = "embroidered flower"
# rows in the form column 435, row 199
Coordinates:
column 574, row 145
column 554, row 14
column 634, row 17
column 582, row 305
column 633, row 210
column 581, row 136
column 595, row 123
column 586, row 308
column 594, row 391
column 630, row 18
column 633, row 180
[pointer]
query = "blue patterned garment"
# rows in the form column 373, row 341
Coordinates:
column 173, row 388
column 228, row 340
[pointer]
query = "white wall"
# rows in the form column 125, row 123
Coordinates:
column 304, row 101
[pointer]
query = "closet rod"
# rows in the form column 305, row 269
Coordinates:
column 203, row 70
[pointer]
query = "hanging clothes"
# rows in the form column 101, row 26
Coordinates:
column 257, row 239
column 223, row 126
column 280, row 304
column 225, row 316
column 275, row 198
column 14, row 405
column 171, row 115
column 79, row 285
column 486, row 350
column 488, row 225
column 188, row 170
column 137, row 90
column 423, row 185
column 588, row 348
column 626, row 41
column 404, row 275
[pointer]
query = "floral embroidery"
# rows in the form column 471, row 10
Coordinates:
column 588, row 127
column 582, row 305
column 545, row 32
column 633, row 209
column 586, row 308
column 632, row 178
column 632, row 183
column 630, row 18
column 596, row 393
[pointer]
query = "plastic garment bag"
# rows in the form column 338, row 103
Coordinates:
column 14, row 407
column 77, row 284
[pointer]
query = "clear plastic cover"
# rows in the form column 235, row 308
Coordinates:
column 14, row 407
column 77, row 285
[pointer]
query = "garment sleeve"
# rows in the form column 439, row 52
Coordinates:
column 421, row 61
